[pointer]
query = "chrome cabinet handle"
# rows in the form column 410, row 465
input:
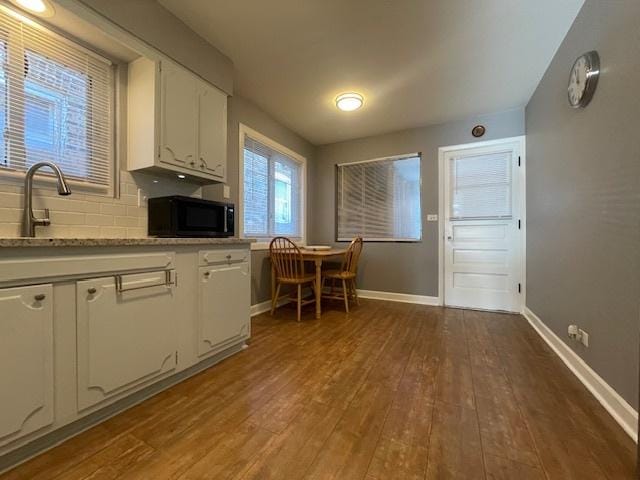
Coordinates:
column 40, row 297
column 169, row 280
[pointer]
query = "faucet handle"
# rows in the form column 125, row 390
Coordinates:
column 44, row 221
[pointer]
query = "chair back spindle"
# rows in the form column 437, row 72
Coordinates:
column 350, row 261
column 287, row 258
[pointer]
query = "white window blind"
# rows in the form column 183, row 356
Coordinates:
column 380, row 200
column 481, row 186
column 272, row 199
column 56, row 103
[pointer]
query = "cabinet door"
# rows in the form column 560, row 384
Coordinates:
column 224, row 299
column 126, row 334
column 212, row 131
column 178, row 117
column 26, row 356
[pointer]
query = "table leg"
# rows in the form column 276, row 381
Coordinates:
column 318, row 262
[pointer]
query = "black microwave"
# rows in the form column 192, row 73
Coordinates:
column 179, row 216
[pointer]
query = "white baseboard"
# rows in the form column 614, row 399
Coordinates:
column 265, row 306
column 399, row 297
column 618, row 408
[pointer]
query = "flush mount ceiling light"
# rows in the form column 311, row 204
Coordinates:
column 348, row 102
column 42, row 8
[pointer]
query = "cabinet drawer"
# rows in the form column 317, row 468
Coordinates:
column 126, row 334
column 217, row 257
column 26, row 355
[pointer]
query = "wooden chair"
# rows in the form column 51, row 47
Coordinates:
column 289, row 266
column 346, row 273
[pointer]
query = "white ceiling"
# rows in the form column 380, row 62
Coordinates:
column 417, row 62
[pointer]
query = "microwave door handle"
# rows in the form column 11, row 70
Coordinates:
column 226, row 209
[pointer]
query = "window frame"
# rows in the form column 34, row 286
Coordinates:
column 243, row 131
column 418, row 155
column 45, row 179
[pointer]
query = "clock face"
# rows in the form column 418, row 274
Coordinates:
column 583, row 79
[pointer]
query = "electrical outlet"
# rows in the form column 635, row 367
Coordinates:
column 573, row 331
column 584, row 337
column 142, row 198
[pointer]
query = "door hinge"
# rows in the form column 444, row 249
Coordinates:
column 519, row 288
column 519, row 160
column 158, row 151
column 519, row 224
column 176, row 357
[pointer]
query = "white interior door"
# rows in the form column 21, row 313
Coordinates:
column 483, row 226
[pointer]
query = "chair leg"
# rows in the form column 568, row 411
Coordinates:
column 299, row 300
column 274, row 300
column 355, row 291
column 346, row 296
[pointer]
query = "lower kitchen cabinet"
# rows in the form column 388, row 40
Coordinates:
column 224, row 302
column 26, row 356
column 126, row 333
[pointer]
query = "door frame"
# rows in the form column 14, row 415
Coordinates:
column 522, row 184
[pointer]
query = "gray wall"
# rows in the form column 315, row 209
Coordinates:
column 156, row 26
column 583, row 195
column 410, row 268
column 244, row 111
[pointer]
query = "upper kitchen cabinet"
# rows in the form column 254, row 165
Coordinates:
column 177, row 123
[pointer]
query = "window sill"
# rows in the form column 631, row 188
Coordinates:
column 262, row 244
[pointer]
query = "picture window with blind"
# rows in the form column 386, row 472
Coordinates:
column 272, row 189
column 56, row 105
column 480, row 186
column 379, row 200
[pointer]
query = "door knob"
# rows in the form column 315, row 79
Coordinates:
column 449, row 237
column 207, row 274
column 40, row 297
column 91, row 291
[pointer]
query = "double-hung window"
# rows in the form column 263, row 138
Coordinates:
column 379, row 200
column 272, row 188
column 56, row 104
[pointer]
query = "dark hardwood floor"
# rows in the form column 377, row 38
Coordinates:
column 390, row 391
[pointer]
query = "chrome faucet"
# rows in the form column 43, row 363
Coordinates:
column 29, row 221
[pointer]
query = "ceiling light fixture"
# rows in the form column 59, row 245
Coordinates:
column 42, row 8
column 348, row 102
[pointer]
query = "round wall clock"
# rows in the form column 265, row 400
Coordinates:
column 583, row 79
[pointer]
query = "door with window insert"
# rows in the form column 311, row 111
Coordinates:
column 483, row 226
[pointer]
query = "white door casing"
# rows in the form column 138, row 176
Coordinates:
column 482, row 225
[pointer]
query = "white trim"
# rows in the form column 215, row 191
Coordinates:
column 265, row 306
column 381, row 159
column 245, row 130
column 399, row 297
column 521, row 139
column 618, row 408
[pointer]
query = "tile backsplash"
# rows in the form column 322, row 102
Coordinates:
column 84, row 215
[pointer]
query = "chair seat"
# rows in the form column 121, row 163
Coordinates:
column 297, row 280
column 338, row 274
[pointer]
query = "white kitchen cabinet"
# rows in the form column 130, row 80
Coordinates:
column 126, row 335
column 177, row 123
column 212, row 131
column 26, row 356
column 178, row 119
column 224, row 299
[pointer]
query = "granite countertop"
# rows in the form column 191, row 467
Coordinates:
column 117, row 242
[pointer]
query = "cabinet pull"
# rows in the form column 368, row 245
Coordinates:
column 92, row 291
column 229, row 257
column 167, row 283
column 207, row 274
column 40, row 297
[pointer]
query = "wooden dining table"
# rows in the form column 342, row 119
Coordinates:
column 317, row 257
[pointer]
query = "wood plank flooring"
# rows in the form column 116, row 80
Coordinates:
column 390, row 391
